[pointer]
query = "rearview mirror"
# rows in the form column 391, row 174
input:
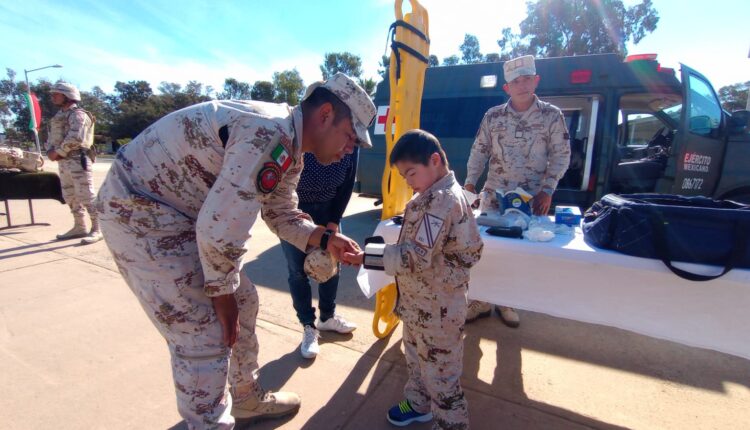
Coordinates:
column 739, row 122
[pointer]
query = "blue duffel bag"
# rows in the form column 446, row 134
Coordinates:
column 672, row 228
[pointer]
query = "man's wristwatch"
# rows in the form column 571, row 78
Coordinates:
column 324, row 239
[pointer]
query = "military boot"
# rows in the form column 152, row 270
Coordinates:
column 78, row 230
column 95, row 234
column 266, row 405
column 477, row 309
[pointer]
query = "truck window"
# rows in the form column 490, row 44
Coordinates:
column 705, row 114
column 647, row 123
column 578, row 112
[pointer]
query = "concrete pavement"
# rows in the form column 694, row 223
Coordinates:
column 77, row 352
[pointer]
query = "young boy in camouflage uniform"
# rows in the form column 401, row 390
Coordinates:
column 438, row 244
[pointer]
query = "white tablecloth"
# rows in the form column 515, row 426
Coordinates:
column 567, row 278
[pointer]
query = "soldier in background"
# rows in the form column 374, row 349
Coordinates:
column 70, row 143
column 177, row 208
column 527, row 145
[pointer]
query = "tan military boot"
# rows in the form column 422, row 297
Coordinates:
column 477, row 310
column 270, row 405
column 78, row 230
column 95, row 235
column 508, row 316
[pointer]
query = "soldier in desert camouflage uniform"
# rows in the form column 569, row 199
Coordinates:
column 527, row 145
column 71, row 137
column 438, row 244
column 177, row 208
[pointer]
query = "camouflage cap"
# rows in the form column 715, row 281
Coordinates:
column 521, row 66
column 362, row 107
column 320, row 265
column 68, row 90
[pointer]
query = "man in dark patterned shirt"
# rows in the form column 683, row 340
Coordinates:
column 324, row 192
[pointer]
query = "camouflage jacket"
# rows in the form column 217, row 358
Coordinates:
column 220, row 163
column 529, row 149
column 70, row 129
column 438, row 244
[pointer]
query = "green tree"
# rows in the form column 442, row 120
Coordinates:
column 470, row 53
column 344, row 62
column 383, row 69
column 235, row 90
column 734, row 97
column 262, row 91
column 97, row 102
column 554, row 28
column 170, row 88
column 368, row 85
column 132, row 91
column 288, row 87
column 492, row 57
column 434, row 61
column 451, row 61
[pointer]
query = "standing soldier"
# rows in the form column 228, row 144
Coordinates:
column 70, row 143
column 527, row 145
column 177, row 208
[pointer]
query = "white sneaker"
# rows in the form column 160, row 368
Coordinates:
column 309, row 347
column 336, row 323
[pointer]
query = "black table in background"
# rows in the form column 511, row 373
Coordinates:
column 28, row 186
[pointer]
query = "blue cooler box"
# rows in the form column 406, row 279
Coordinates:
column 568, row 215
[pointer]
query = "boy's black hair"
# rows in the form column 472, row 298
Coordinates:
column 320, row 96
column 417, row 146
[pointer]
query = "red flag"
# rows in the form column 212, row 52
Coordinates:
column 36, row 112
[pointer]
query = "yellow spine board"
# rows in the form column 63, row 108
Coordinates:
column 405, row 105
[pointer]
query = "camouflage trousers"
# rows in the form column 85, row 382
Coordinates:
column 155, row 250
column 78, row 187
column 434, row 350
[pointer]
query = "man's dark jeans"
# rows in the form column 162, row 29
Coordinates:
column 299, row 284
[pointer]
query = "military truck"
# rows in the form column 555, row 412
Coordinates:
column 633, row 125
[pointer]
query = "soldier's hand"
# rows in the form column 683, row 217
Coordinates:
column 53, row 155
column 541, row 203
column 339, row 244
column 228, row 315
column 333, row 226
column 355, row 259
column 470, row 188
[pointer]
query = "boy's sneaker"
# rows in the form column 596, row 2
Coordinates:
column 336, row 323
column 309, row 347
column 403, row 414
column 477, row 309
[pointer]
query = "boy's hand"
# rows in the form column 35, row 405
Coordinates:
column 355, row 259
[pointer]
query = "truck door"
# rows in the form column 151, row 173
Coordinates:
column 700, row 137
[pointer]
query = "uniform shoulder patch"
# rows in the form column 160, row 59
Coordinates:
column 429, row 230
column 268, row 177
column 281, row 157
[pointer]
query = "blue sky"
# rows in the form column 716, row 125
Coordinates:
column 101, row 42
